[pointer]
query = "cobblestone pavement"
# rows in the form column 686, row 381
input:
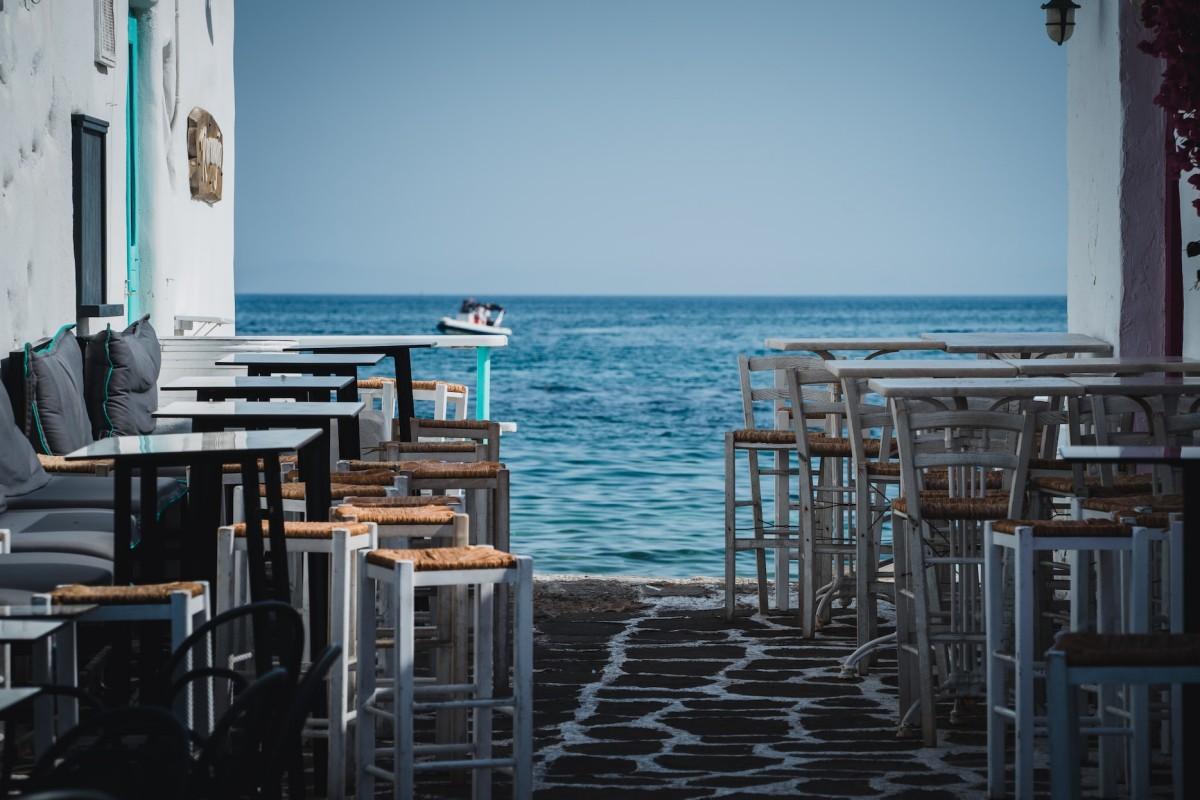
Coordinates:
column 671, row 700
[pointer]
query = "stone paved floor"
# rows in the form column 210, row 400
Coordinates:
column 668, row 699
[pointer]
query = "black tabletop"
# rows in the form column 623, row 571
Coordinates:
column 9, row 698
column 214, row 445
column 303, row 359
column 316, row 382
column 248, row 409
column 1132, row 455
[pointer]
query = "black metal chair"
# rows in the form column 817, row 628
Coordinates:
column 284, row 755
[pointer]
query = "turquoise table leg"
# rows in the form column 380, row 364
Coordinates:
column 483, row 383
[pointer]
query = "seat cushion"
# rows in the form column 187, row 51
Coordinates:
column 42, row 572
column 37, row 520
column 121, row 380
column 90, row 491
column 98, row 544
column 20, row 471
column 56, row 412
column 940, row 506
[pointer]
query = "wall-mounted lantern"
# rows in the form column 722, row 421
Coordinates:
column 1060, row 19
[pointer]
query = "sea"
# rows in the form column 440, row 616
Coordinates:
column 622, row 402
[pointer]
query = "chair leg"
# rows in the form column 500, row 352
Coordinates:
column 782, row 501
column 756, row 506
column 808, row 575
column 481, row 733
column 181, row 627
column 730, row 528
column 523, row 682
column 1108, row 621
column 996, row 671
column 865, row 565
column 1064, row 730
column 1024, row 586
column 904, row 626
column 920, row 592
column 403, row 753
column 365, row 684
column 339, row 626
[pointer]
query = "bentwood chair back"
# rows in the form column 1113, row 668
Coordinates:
column 982, row 455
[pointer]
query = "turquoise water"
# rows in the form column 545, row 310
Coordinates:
column 622, row 402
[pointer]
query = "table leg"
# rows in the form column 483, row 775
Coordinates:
column 254, row 540
column 349, row 444
column 280, row 583
column 153, row 551
column 122, row 525
column 314, row 471
column 1191, row 624
column 483, row 383
column 405, row 405
column 204, row 506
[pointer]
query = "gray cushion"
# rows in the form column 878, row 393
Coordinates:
column 121, row 380
column 90, row 491
column 56, row 418
column 36, row 520
column 20, row 471
column 42, row 572
column 97, row 544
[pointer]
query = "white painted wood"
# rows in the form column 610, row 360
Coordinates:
column 921, row 368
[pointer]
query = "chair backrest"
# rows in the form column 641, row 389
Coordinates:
column 820, row 387
column 486, row 433
column 232, row 759
column 128, row 752
column 284, row 752
column 969, row 443
column 274, row 629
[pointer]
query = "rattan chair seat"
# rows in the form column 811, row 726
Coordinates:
column 1148, row 502
column 436, row 559
column 62, row 465
column 78, row 594
column 887, row 469
column 293, row 529
column 337, row 491
column 1130, row 649
column 939, row 480
column 1122, row 485
column 1063, row 527
column 235, row 468
column 940, row 506
column 459, row 424
column 398, row 515
column 430, row 386
column 449, row 469
column 818, row 443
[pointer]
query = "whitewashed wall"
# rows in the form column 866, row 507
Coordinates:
column 1115, row 247
column 47, row 73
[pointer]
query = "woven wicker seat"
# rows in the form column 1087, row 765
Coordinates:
column 337, row 491
column 445, row 558
column 1050, row 464
column 818, row 444
column 1159, row 520
column 1054, row 528
column 236, row 468
column 1122, row 485
column 77, row 594
column 415, row 447
column 1160, row 503
column 404, row 501
column 939, row 505
column 431, row 386
column 398, row 515
column 889, row 469
column 62, row 465
column 308, row 530
column 1129, row 649
column 375, row 383
column 449, row 469
column 458, row 424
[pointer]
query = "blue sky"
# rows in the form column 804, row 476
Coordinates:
column 649, row 146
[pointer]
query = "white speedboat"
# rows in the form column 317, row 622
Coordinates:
column 475, row 317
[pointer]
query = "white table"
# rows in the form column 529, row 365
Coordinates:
column 1025, row 343
column 1105, row 366
column 827, row 347
column 975, row 387
column 920, row 368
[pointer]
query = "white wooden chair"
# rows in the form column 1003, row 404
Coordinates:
column 982, row 456
column 400, row 699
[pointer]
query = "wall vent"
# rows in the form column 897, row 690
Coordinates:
column 106, row 33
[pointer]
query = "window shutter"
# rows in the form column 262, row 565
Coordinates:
column 106, row 33
column 89, row 175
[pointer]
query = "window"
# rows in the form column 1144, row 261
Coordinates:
column 89, row 177
column 106, row 33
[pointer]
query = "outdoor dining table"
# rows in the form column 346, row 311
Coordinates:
column 341, row 364
column 975, row 387
column 1027, row 344
column 399, row 349
column 224, row 414
column 205, row 454
column 828, row 347
column 1104, row 366
column 1188, row 460
column 313, row 388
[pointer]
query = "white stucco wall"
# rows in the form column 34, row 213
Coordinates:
column 47, row 73
column 1190, row 232
column 1115, row 184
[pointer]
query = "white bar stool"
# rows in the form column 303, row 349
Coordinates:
column 402, row 572
column 338, row 540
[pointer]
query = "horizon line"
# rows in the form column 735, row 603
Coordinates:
column 648, row 296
